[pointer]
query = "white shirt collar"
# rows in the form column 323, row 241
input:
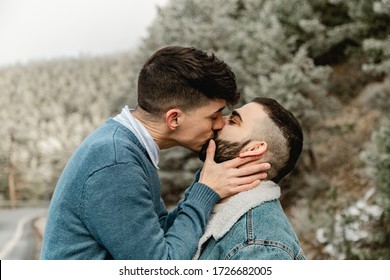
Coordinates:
column 128, row 120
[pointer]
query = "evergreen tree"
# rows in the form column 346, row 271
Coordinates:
column 47, row 109
column 252, row 39
column 377, row 160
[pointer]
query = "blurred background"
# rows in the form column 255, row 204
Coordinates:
column 67, row 66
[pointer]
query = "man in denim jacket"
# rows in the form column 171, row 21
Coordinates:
column 252, row 224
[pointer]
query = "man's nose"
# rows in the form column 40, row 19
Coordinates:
column 218, row 123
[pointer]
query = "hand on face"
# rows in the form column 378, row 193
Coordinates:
column 225, row 150
column 233, row 176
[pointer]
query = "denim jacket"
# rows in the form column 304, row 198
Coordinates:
column 250, row 226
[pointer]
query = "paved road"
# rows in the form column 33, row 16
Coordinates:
column 18, row 238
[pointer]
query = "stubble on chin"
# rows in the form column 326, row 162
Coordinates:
column 226, row 150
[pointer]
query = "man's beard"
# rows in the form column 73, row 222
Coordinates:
column 226, row 150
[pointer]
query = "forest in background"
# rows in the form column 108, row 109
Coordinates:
column 328, row 61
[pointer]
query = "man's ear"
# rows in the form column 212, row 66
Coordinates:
column 172, row 118
column 254, row 148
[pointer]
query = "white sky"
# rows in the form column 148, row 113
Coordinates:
column 45, row 29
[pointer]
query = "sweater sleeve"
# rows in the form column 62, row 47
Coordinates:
column 169, row 218
column 119, row 212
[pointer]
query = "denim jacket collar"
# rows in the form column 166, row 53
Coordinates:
column 227, row 214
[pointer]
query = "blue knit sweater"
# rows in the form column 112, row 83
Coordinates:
column 107, row 205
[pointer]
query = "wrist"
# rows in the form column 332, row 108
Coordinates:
column 205, row 195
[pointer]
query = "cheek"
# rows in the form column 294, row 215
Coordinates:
column 200, row 127
column 224, row 133
column 230, row 134
column 202, row 132
column 199, row 136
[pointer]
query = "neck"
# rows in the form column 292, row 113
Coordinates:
column 155, row 127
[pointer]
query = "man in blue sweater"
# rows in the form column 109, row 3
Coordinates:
column 107, row 203
column 252, row 225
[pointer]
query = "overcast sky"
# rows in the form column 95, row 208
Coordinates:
column 44, row 29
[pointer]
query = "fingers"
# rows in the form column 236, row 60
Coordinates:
column 246, row 187
column 251, row 169
column 242, row 188
column 210, row 152
column 249, row 179
column 231, row 177
column 237, row 185
column 238, row 161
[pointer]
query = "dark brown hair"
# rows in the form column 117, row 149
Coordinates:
column 290, row 128
column 186, row 78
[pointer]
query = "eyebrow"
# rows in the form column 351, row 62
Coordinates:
column 236, row 114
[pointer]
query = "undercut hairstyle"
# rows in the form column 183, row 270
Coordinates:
column 185, row 78
column 283, row 151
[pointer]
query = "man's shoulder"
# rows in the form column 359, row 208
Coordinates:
column 268, row 209
column 260, row 220
column 108, row 145
column 114, row 137
column 268, row 213
column 112, row 130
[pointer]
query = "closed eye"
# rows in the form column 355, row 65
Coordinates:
column 235, row 117
column 232, row 120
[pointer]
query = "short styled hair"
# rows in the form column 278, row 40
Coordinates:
column 185, row 78
column 286, row 153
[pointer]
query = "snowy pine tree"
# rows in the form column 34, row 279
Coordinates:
column 47, row 109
